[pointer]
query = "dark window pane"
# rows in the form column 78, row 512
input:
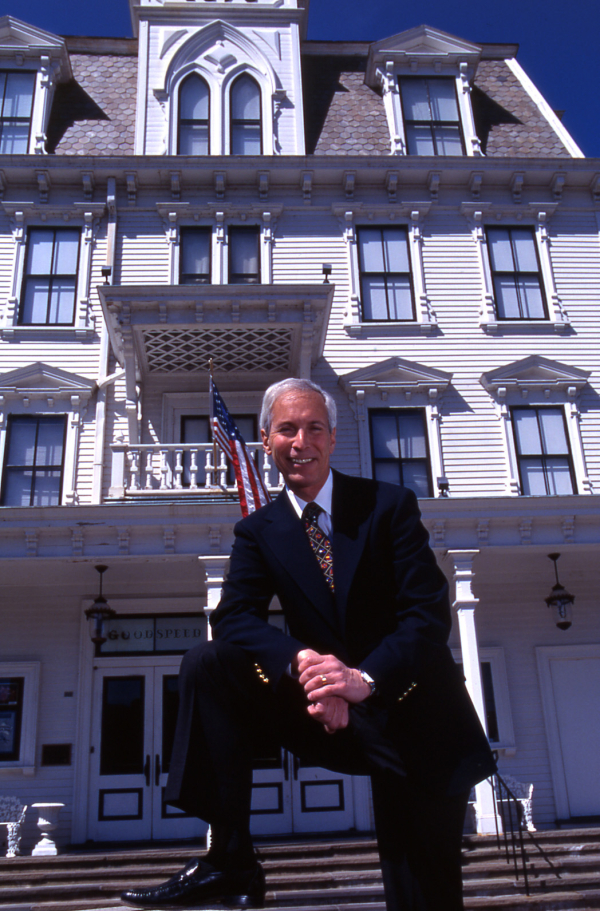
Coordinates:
column 244, row 257
column 385, row 276
column 170, row 708
column 50, row 281
column 16, row 106
column 194, row 260
column 246, row 119
column 431, row 116
column 194, row 116
column 399, row 449
column 516, row 273
column 11, row 713
column 543, row 452
column 34, row 461
column 122, row 736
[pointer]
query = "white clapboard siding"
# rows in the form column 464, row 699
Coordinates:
column 51, row 619
column 142, row 250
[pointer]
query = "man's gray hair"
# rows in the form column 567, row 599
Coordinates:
column 294, row 384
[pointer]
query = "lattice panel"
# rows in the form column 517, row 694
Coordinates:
column 244, row 350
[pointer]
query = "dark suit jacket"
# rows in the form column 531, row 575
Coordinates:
column 390, row 617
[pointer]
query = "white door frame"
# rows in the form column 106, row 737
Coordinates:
column 544, row 655
column 87, row 661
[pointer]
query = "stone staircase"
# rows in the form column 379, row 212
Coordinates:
column 316, row 875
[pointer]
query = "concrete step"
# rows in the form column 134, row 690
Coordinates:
column 323, row 875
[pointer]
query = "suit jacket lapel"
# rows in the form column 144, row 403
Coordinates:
column 352, row 510
column 287, row 539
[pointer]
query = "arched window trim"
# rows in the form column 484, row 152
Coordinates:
column 246, row 72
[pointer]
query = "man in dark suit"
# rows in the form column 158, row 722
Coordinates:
column 363, row 682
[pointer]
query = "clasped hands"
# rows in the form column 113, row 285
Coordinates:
column 330, row 687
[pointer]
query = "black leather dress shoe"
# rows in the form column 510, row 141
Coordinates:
column 199, row 883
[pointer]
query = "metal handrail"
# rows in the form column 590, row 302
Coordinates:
column 510, row 810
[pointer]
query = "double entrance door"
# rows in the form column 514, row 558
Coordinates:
column 135, row 704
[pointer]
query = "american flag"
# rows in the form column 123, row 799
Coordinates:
column 251, row 488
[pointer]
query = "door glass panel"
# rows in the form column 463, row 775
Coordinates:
column 170, row 707
column 122, row 736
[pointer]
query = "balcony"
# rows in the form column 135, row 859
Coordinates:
column 159, row 469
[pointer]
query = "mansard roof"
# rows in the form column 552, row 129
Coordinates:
column 94, row 113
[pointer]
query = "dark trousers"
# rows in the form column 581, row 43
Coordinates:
column 226, row 711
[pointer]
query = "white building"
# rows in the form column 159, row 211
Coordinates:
column 183, row 195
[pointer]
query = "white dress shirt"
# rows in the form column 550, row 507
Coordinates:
column 323, row 499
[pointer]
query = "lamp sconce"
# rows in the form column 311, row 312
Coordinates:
column 99, row 612
column 443, row 486
column 327, row 270
column 560, row 599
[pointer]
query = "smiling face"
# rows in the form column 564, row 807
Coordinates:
column 300, row 441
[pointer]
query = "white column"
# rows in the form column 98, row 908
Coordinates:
column 464, row 605
column 215, row 566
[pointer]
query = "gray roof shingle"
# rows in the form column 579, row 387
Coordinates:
column 94, row 114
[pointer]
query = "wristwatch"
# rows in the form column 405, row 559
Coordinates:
column 369, row 681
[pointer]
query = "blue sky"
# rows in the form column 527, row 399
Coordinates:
column 558, row 40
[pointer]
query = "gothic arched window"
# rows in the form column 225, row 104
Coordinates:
column 246, row 121
column 194, row 108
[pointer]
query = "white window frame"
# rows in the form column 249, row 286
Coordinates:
column 177, row 217
column 496, row 659
column 388, row 74
column 376, row 387
column 422, row 411
column 561, row 390
column 557, row 320
column 170, row 101
column 55, row 393
column 425, row 321
column 84, row 323
column 30, row 671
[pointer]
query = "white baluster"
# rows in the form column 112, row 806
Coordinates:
column 178, row 468
column 193, row 469
column 164, row 469
column 209, row 470
column 149, row 467
column 134, row 469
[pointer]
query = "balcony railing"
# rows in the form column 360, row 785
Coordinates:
column 182, row 468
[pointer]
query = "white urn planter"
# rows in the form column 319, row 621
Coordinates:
column 47, row 822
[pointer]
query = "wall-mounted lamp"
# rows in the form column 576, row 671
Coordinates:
column 443, row 486
column 327, row 270
column 99, row 612
column 560, row 599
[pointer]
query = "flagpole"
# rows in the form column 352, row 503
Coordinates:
column 214, row 439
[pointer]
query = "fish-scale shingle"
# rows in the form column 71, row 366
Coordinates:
column 508, row 121
column 343, row 116
column 94, row 114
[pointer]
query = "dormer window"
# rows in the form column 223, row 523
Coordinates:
column 246, row 120
column 16, row 90
column 194, row 114
column 431, row 116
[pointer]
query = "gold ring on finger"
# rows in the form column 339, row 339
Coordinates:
column 324, row 679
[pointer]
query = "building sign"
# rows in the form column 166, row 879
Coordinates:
column 167, row 635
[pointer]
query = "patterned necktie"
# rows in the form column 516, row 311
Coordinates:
column 319, row 541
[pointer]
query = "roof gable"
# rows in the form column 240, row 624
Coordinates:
column 421, row 45
column 396, row 374
column 43, row 380
column 535, row 373
column 18, row 37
